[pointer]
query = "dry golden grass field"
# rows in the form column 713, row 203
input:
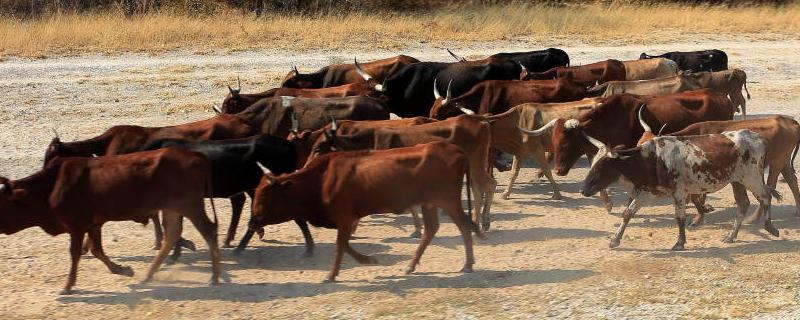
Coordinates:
column 543, row 258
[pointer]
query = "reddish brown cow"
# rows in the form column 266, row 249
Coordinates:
column 585, row 75
column 236, row 102
column 329, row 192
column 341, row 74
column 78, row 195
column 497, row 96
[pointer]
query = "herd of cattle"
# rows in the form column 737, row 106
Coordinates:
column 350, row 140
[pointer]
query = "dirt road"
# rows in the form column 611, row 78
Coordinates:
column 543, row 257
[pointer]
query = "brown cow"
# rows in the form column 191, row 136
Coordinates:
column 540, row 118
column 341, row 74
column 782, row 135
column 729, row 82
column 470, row 132
column 78, row 195
column 585, row 75
column 280, row 115
column 675, row 84
column 616, row 123
column 649, row 69
column 127, row 139
column 497, row 96
column 336, row 189
column 236, row 102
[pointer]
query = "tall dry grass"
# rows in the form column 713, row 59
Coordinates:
column 230, row 30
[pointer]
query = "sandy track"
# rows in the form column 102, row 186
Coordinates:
column 543, row 257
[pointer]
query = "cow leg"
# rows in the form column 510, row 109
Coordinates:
column 431, row 220
column 176, row 252
column 629, row 212
column 172, row 231
column 515, row 164
column 417, row 223
column 159, row 234
column 306, row 236
column 607, row 203
column 209, row 231
column 244, row 241
column 791, row 179
column 487, row 184
column 545, row 167
column 342, row 244
column 237, row 204
column 742, row 203
column 772, row 181
column 680, row 219
column 75, row 248
column 96, row 245
column 702, row 208
column 465, row 226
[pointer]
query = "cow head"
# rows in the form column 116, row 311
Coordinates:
column 568, row 144
column 371, row 82
column 271, row 195
column 645, row 56
column 444, row 108
column 295, row 79
column 328, row 141
column 303, row 143
column 607, row 167
column 17, row 211
column 54, row 149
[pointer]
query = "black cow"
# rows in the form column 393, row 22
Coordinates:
column 408, row 91
column 235, row 171
column 461, row 77
column 705, row 60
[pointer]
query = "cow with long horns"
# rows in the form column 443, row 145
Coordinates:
column 341, row 74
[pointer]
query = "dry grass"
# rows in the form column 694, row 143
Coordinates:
column 111, row 33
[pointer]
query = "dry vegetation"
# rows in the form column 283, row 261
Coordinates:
column 111, row 32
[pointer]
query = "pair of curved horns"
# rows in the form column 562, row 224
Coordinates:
column 541, row 131
column 437, row 95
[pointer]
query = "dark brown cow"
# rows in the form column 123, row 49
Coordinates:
column 782, row 135
column 330, row 192
column 280, row 115
column 341, row 74
column 585, row 75
column 616, row 123
column 78, row 195
column 236, row 102
column 128, row 139
column 729, row 82
column 497, row 96
column 304, row 141
column 661, row 86
column 471, row 133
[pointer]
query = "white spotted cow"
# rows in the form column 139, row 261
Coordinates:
column 679, row 166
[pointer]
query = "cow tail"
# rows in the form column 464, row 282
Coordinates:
column 746, row 91
column 775, row 194
column 794, row 154
column 210, row 195
column 472, row 224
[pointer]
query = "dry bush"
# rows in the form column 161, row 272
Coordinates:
column 226, row 29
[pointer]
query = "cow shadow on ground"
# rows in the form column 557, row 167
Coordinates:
column 722, row 218
column 499, row 237
column 398, row 285
column 728, row 254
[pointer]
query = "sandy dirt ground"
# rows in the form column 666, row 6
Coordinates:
column 542, row 258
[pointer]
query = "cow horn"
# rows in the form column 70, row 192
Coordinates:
column 94, row 155
column 217, row 110
column 295, row 124
column 361, row 72
column 294, row 68
column 267, row 173
column 238, row 84
column 2, row 187
column 465, row 110
column 662, row 129
column 641, row 121
column 382, row 86
column 447, row 96
column 540, row 131
column 436, row 93
column 600, row 145
column 234, row 93
column 55, row 133
column 571, row 124
column 334, row 127
column 524, row 72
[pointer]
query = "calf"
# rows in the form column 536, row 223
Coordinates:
column 538, row 119
column 649, row 69
column 585, row 75
column 329, row 192
column 78, row 195
column 471, row 133
column 497, row 96
column 679, row 166
column 705, row 60
column 234, row 171
column 729, row 82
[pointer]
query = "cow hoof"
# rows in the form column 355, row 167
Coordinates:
column 226, row 246
column 416, row 234
column 145, row 281
column 123, row 271
column 770, row 228
column 728, row 240
column 260, row 233
column 613, row 244
column 466, row 269
column 329, row 279
column 505, row 196
column 156, row 247
column 707, row 208
column 485, row 226
column 609, row 207
column 66, row 292
column 556, row 196
column 409, row 270
column 678, row 247
column 213, row 282
column 188, row 244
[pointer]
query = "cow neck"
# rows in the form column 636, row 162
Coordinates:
column 642, row 171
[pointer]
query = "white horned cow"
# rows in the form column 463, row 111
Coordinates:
column 680, row 166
